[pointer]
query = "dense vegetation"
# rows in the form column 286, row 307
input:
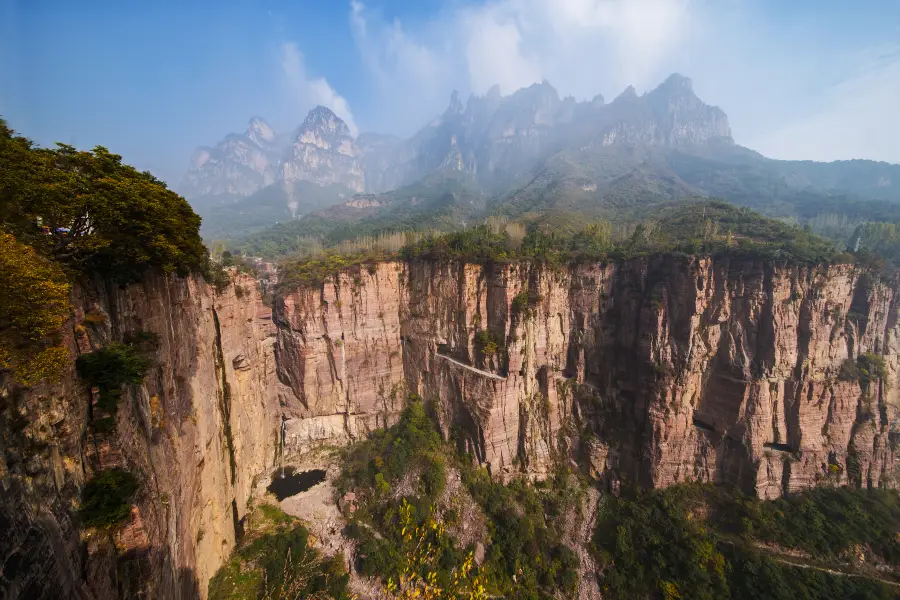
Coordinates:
column 34, row 304
column 687, row 541
column 707, row 228
column 66, row 213
column 92, row 213
column 714, row 228
column 109, row 369
column 700, row 542
column 524, row 554
column 106, row 498
column 275, row 561
column 314, row 270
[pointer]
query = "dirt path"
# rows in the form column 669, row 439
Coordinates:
column 801, row 565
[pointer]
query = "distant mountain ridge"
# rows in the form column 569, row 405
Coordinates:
column 533, row 151
column 492, row 137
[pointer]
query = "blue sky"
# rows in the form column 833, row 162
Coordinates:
column 154, row 80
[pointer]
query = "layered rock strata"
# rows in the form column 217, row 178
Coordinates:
column 655, row 370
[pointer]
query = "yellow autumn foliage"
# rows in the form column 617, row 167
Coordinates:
column 421, row 552
column 34, row 304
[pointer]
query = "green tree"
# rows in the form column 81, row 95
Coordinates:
column 93, row 213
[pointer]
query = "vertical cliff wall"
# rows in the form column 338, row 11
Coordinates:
column 339, row 358
column 653, row 371
column 197, row 431
column 656, row 370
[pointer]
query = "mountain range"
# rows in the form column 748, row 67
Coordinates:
column 528, row 154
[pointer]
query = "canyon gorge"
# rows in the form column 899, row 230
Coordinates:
column 654, row 371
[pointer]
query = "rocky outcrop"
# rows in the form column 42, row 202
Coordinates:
column 657, row 371
column 197, row 432
column 324, row 152
column 321, row 151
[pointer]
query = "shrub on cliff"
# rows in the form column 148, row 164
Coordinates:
column 106, row 499
column 868, row 368
column 871, row 368
column 109, row 369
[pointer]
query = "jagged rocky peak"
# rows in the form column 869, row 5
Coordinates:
column 502, row 116
column 539, row 101
column 323, row 126
column 629, row 94
column 686, row 118
column 669, row 115
column 324, row 152
column 260, row 132
column 676, row 82
column 456, row 107
column 241, row 163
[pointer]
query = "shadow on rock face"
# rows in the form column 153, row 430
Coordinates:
column 287, row 482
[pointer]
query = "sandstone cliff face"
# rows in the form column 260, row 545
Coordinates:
column 656, row 371
column 652, row 371
column 339, row 357
column 196, row 432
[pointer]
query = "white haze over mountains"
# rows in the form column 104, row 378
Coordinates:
column 312, row 90
column 789, row 89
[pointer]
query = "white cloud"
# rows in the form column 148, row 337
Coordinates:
column 581, row 46
column 494, row 53
column 573, row 43
column 772, row 72
column 858, row 118
column 310, row 91
column 413, row 73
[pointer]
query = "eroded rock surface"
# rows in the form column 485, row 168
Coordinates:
column 196, row 432
column 654, row 371
column 660, row 370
